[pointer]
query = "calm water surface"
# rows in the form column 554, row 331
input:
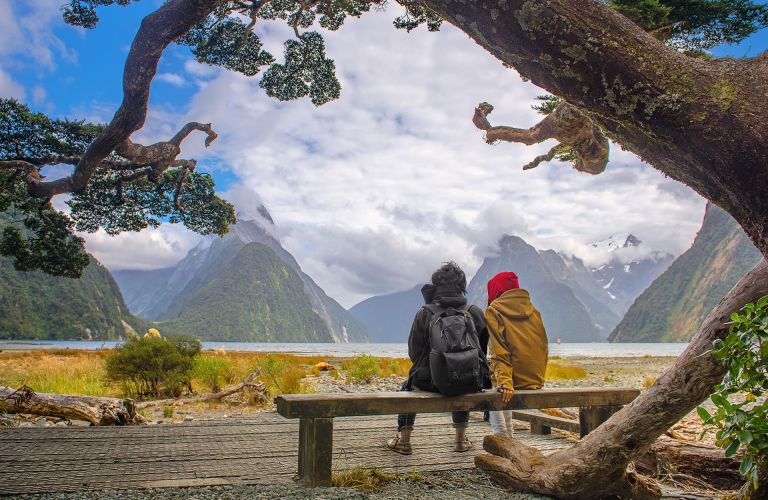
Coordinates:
column 566, row 350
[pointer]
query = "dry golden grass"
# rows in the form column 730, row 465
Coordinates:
column 362, row 478
column 556, row 371
column 58, row 371
column 69, row 371
column 648, row 382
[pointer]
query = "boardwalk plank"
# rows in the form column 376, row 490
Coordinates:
column 259, row 448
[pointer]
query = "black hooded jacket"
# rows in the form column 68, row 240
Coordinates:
column 418, row 341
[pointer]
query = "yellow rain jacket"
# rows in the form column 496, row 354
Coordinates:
column 518, row 342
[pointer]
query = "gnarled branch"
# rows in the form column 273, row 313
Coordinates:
column 143, row 161
column 567, row 124
column 157, row 31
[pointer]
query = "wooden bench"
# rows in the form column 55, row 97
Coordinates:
column 542, row 424
column 317, row 411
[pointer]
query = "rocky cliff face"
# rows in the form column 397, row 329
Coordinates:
column 675, row 304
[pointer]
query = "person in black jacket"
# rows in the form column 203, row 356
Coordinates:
column 448, row 287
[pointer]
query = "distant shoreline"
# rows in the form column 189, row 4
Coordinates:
column 392, row 350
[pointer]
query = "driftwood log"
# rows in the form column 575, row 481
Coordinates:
column 690, row 463
column 96, row 410
column 248, row 385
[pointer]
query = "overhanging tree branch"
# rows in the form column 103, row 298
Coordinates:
column 699, row 121
column 157, row 31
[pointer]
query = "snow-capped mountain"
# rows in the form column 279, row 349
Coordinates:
column 629, row 271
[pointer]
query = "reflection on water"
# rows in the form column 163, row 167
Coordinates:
column 384, row 350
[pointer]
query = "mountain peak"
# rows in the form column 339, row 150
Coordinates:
column 616, row 241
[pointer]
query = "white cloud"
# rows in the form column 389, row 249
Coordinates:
column 174, row 79
column 375, row 190
column 10, row 88
column 149, row 249
column 27, row 29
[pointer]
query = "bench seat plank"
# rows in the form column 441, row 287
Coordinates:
column 541, row 423
column 392, row 403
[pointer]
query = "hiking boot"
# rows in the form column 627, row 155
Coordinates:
column 397, row 446
column 462, row 446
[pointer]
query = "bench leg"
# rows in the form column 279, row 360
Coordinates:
column 315, row 451
column 540, row 429
column 591, row 417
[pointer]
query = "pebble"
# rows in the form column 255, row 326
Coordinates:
column 456, row 485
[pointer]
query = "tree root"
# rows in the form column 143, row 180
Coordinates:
column 524, row 468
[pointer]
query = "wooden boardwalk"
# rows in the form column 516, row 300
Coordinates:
column 261, row 448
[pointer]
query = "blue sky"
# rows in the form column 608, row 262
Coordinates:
column 350, row 184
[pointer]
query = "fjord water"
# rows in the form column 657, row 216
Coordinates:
column 566, row 350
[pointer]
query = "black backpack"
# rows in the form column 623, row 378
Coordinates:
column 456, row 361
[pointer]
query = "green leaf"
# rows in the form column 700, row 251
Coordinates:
column 745, row 437
column 719, row 400
column 746, row 465
column 703, row 414
column 732, row 448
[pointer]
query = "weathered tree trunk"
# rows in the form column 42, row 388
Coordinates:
column 248, row 384
column 596, row 466
column 690, row 462
column 97, row 411
column 701, row 122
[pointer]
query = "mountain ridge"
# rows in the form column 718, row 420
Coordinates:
column 674, row 305
column 172, row 287
column 37, row 306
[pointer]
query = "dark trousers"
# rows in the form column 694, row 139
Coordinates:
column 406, row 420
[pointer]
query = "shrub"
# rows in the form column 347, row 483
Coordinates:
column 212, row 372
column 362, row 368
column 281, row 374
column 152, row 366
column 743, row 423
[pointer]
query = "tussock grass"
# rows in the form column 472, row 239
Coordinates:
column 71, row 371
column 213, row 371
column 59, row 371
column 557, row 371
column 364, row 367
column 283, row 374
column 362, row 478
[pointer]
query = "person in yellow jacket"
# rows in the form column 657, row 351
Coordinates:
column 518, row 344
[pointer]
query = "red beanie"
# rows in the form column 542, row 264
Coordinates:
column 500, row 284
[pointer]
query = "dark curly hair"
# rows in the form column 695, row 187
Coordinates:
column 450, row 274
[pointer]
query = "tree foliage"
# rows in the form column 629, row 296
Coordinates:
column 743, row 423
column 695, row 25
column 123, row 195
